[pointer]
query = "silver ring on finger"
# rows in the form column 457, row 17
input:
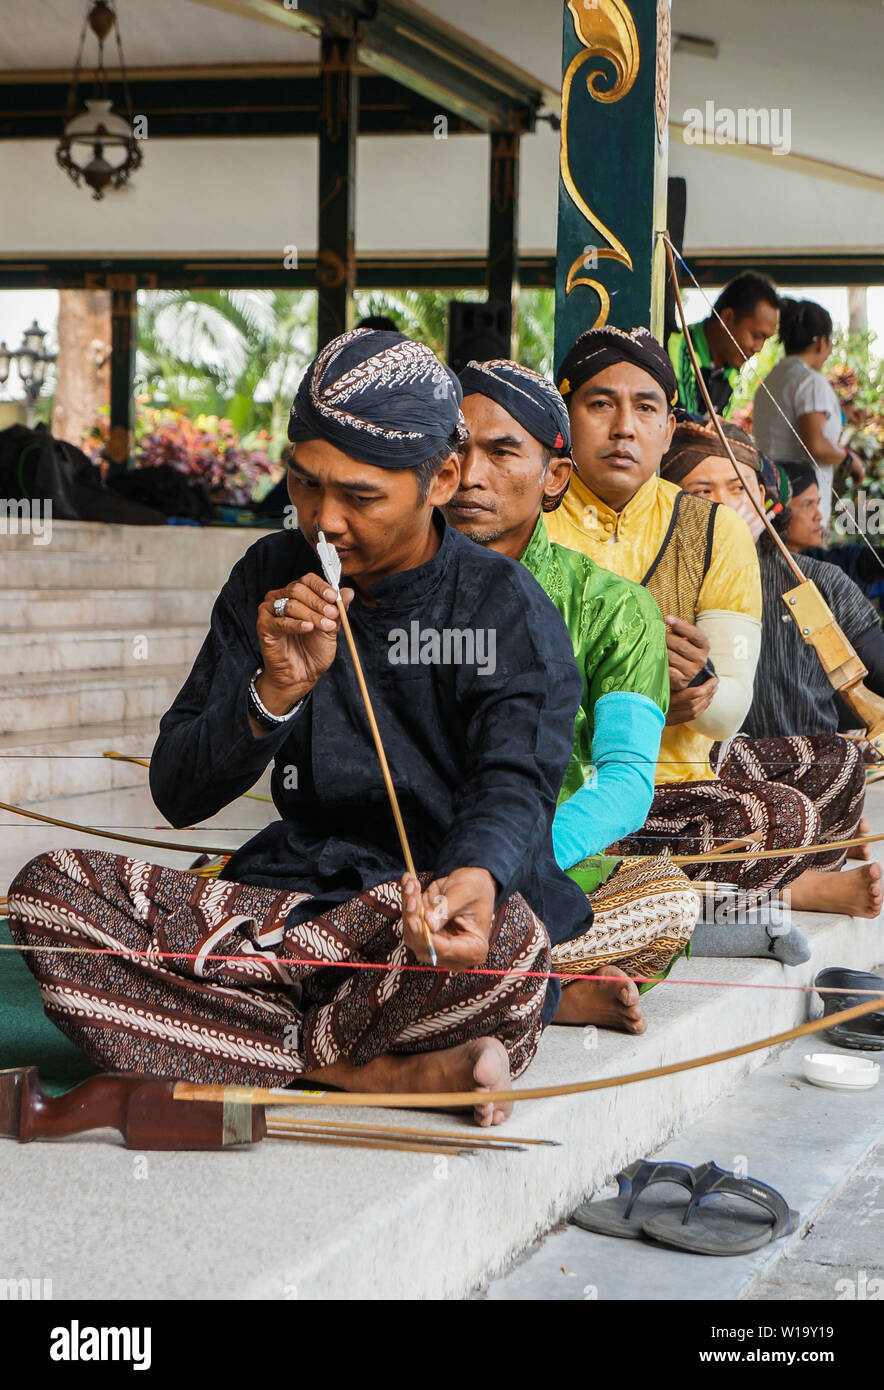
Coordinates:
column 279, row 607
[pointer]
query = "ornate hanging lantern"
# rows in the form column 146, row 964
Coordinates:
column 99, row 145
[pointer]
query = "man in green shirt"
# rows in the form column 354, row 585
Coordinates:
column 748, row 312
column 515, row 466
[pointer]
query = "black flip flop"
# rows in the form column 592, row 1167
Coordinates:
column 727, row 1228
column 863, row 1034
column 614, row 1217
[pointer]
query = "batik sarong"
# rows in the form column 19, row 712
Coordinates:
column 789, row 791
column 643, row 917
column 159, row 1003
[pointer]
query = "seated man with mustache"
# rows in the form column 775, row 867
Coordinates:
column 699, row 562
column 246, row 978
column 515, row 467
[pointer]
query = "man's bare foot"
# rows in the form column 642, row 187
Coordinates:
column 610, row 1003
column 861, row 851
column 856, row 892
column 480, row 1065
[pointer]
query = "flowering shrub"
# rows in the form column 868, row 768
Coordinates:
column 858, row 377
column 205, row 448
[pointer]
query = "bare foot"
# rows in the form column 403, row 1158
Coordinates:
column 861, row 851
column 480, row 1065
column 856, row 892
column 611, row 1003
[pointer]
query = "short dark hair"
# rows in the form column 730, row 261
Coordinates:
column 426, row 472
column 801, row 322
column 380, row 321
column 744, row 293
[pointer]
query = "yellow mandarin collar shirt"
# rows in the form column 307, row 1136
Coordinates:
column 584, row 522
column 627, row 542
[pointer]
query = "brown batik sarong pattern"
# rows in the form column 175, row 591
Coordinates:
column 175, row 1012
column 792, row 791
column 643, row 917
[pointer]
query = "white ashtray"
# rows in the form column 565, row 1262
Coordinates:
column 841, row 1073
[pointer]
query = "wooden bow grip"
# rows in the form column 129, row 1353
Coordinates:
column 816, row 623
column 139, row 1108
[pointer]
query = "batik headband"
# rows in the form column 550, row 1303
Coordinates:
column 600, row 348
column 524, row 394
column 693, row 442
column 380, row 398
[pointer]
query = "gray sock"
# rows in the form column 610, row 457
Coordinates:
column 730, row 927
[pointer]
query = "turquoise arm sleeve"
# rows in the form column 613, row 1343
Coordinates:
column 617, row 798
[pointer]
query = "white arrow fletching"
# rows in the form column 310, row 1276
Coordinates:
column 330, row 561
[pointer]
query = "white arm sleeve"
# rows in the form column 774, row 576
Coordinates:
column 734, row 648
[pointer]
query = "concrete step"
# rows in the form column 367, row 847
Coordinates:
column 129, row 809
column 417, row 1226
column 29, row 609
column 43, row 568
column 68, row 762
column 117, row 648
column 806, row 1142
column 64, row 700
column 78, row 554
column 101, row 537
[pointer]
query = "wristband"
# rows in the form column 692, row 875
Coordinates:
column 260, row 713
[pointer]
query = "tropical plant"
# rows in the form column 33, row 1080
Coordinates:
column 423, row 314
column 206, row 448
column 232, row 353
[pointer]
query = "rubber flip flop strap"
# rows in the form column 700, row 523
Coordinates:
column 642, row 1174
column 717, row 1182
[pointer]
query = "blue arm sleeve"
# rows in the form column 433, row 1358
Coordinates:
column 625, row 746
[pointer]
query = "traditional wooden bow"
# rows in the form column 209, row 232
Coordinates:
column 152, row 1113
column 804, row 604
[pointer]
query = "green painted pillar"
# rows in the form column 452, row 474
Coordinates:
column 613, row 166
column 338, row 126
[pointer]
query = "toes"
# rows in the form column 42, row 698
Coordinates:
column 484, row 1115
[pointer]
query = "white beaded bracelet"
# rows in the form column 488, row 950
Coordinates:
column 260, row 711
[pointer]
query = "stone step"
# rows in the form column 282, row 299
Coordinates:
column 69, row 762
column 33, row 653
column 42, row 568
column 806, row 1142
column 99, row 608
column 61, row 699
column 427, row 1227
column 79, row 554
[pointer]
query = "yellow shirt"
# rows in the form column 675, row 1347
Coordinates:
column 627, row 542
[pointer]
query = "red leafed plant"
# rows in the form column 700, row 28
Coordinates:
column 206, row 448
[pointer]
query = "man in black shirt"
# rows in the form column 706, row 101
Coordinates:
column 475, row 689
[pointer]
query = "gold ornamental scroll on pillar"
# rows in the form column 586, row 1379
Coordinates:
column 612, row 166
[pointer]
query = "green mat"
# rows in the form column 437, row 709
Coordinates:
column 27, row 1038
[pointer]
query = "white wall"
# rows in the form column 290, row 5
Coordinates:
column 414, row 193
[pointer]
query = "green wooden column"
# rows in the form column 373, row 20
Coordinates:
column 503, row 223
column 613, row 166
column 338, row 126
column 124, row 340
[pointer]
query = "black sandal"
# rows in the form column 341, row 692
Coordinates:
column 863, row 1034
column 614, row 1217
column 724, row 1229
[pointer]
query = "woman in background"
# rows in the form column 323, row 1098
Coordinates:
column 807, row 400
